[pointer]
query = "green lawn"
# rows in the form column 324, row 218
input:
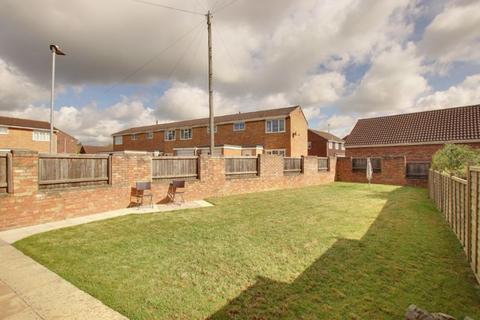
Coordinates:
column 340, row 251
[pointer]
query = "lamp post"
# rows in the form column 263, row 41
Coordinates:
column 55, row 51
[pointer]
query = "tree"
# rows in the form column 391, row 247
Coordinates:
column 454, row 159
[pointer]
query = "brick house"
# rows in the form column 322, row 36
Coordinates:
column 276, row 131
column 325, row 144
column 34, row 135
column 413, row 137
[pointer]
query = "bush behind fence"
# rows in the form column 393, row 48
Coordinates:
column 459, row 201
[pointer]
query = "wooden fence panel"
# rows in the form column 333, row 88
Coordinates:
column 459, row 202
column 292, row 164
column 241, row 166
column 174, row 167
column 323, row 164
column 72, row 170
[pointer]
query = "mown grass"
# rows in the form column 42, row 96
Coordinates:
column 341, row 251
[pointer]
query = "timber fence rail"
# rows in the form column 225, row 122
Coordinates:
column 69, row 170
column 458, row 200
column 174, row 167
column 292, row 165
column 6, row 183
column 241, row 166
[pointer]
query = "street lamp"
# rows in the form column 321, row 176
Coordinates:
column 55, row 51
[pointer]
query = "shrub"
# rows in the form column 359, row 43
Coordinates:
column 454, row 159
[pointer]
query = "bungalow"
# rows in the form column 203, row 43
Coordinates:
column 280, row 131
column 415, row 136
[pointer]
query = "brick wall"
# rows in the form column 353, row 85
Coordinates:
column 28, row 205
column 393, row 171
column 23, row 139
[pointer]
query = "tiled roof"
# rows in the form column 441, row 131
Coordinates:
column 326, row 135
column 96, row 149
column 23, row 123
column 220, row 119
column 443, row 125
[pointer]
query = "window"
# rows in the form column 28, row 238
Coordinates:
column 208, row 130
column 337, row 146
column 330, row 145
column 342, row 146
column 239, row 126
column 169, row 135
column 275, row 125
column 309, row 145
column 118, row 140
column 150, row 135
column 185, row 134
column 3, row 130
column 418, row 170
column 277, row 152
column 134, row 136
column 41, row 136
column 360, row 164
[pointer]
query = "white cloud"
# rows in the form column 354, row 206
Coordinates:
column 465, row 93
column 454, row 34
column 17, row 90
column 392, row 83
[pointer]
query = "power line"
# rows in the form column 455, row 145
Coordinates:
column 156, row 56
column 182, row 56
column 168, row 7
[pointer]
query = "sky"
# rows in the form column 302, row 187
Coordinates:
column 135, row 62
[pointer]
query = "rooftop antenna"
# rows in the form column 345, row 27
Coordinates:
column 328, row 127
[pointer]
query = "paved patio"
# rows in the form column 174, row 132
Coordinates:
column 28, row 290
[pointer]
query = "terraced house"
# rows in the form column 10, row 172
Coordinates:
column 282, row 131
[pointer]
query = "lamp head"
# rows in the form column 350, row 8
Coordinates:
column 56, row 49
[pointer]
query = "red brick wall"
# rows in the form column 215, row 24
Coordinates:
column 318, row 145
column 28, row 205
column 412, row 153
column 393, row 172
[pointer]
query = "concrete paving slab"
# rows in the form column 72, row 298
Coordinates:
column 11, row 236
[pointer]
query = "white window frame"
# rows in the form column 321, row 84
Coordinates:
column 167, row 135
column 118, row 140
column 278, row 152
column 38, row 135
column 185, row 137
column 150, row 135
column 337, row 146
column 208, row 129
column 3, row 130
column 330, row 145
column 269, row 129
column 134, row 136
column 342, row 146
column 309, row 145
column 235, row 128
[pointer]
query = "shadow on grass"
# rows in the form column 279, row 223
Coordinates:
column 407, row 256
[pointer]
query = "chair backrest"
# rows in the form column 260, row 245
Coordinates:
column 144, row 185
column 178, row 183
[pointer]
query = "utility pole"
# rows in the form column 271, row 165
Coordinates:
column 210, row 88
column 55, row 51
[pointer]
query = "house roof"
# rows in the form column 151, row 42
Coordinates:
column 435, row 126
column 326, row 135
column 243, row 116
column 23, row 123
column 95, row 149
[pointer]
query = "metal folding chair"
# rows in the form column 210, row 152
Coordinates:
column 143, row 190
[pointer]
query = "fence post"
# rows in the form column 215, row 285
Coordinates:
column 109, row 164
column 9, row 173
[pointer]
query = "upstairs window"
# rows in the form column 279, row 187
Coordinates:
column 239, row 126
column 150, row 135
column 330, row 145
column 118, row 140
column 3, row 130
column 309, row 145
column 275, row 125
column 337, row 146
column 169, row 135
column 185, row 134
column 342, row 146
column 208, row 130
column 41, row 136
column 134, row 136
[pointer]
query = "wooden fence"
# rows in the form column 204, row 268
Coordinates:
column 68, row 170
column 6, row 184
column 241, row 166
column 323, row 164
column 174, row 167
column 458, row 200
column 292, row 165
